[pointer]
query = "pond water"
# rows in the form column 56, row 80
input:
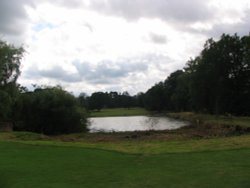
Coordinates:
column 133, row 123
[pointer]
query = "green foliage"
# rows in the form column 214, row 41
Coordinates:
column 155, row 98
column 180, row 98
column 171, row 95
column 49, row 111
column 221, row 81
column 10, row 58
column 99, row 100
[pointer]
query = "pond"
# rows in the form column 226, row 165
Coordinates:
column 133, row 123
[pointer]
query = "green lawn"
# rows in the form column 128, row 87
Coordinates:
column 30, row 160
column 48, row 164
column 119, row 112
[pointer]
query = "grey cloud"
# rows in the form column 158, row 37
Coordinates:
column 241, row 28
column 167, row 10
column 14, row 19
column 13, row 16
column 128, row 74
column 55, row 72
column 107, row 71
column 67, row 3
column 89, row 26
column 156, row 38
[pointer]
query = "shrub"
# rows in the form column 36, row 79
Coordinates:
column 49, row 111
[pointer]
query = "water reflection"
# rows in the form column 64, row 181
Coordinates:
column 133, row 123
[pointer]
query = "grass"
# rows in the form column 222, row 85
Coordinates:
column 147, row 147
column 45, row 165
column 212, row 119
column 178, row 159
column 119, row 112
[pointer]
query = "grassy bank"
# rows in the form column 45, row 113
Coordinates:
column 132, row 146
column 119, row 112
column 212, row 119
column 46, row 165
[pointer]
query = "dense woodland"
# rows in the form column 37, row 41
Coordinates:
column 217, row 81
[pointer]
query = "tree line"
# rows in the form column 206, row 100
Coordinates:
column 217, row 81
column 112, row 99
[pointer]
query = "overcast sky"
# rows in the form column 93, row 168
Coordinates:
column 114, row 45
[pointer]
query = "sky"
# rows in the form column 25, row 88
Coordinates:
column 114, row 45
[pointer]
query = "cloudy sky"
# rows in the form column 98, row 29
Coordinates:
column 107, row 45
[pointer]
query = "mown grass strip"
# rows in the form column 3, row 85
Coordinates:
column 119, row 112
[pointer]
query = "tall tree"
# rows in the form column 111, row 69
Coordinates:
column 155, row 98
column 170, row 86
column 220, row 78
column 10, row 59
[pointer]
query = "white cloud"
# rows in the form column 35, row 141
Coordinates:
column 95, row 45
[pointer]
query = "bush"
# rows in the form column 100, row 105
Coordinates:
column 49, row 111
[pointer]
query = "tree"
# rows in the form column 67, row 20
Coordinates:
column 180, row 98
column 10, row 59
column 126, row 100
column 114, row 99
column 82, row 98
column 97, row 100
column 155, row 98
column 50, row 111
column 217, row 81
column 171, row 95
column 220, row 76
column 170, row 86
column 139, row 98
